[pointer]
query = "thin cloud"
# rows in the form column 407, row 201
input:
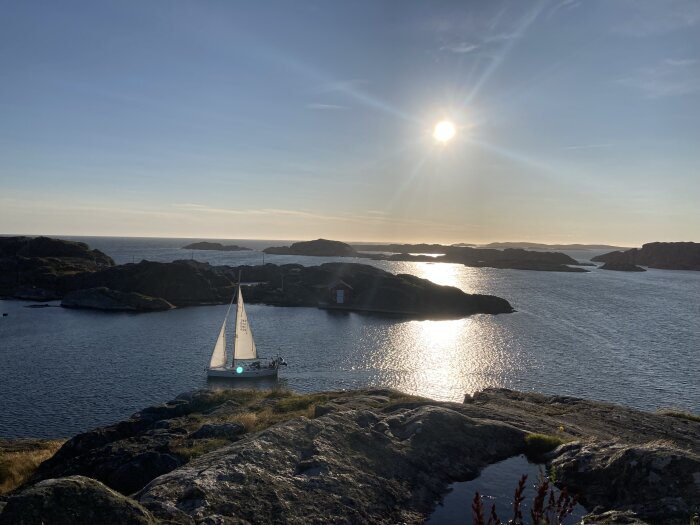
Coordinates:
column 460, row 47
column 669, row 78
column 325, row 106
column 682, row 62
column 341, row 86
column 588, row 146
column 372, row 218
column 653, row 17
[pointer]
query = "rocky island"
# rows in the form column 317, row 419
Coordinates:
column 510, row 258
column 366, row 456
column 317, row 248
column 215, row 246
column 660, row 255
column 91, row 280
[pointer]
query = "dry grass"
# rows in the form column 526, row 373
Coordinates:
column 199, row 447
column 19, row 460
column 681, row 415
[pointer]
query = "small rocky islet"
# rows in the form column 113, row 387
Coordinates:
column 366, row 456
column 215, row 246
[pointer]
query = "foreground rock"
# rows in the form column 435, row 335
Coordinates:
column 372, row 456
column 112, row 300
column 215, row 246
column 70, row 501
column 661, row 255
column 656, row 480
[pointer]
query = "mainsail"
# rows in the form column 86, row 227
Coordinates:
column 244, row 345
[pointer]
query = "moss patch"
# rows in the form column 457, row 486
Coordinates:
column 538, row 444
column 195, row 448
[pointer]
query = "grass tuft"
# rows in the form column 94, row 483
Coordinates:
column 19, row 461
column 539, row 444
column 199, row 447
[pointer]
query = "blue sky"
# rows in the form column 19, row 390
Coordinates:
column 579, row 120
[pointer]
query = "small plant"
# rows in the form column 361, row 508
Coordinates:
column 547, row 508
column 538, row 444
column 199, row 447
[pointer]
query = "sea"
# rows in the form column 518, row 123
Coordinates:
column 627, row 338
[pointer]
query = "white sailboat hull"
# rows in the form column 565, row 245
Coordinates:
column 246, row 373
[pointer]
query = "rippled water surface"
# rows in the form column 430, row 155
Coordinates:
column 631, row 338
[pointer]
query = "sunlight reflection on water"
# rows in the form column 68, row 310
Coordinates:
column 572, row 334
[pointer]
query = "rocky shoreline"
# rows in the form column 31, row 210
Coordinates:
column 366, row 456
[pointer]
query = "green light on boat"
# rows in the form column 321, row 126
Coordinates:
column 239, row 369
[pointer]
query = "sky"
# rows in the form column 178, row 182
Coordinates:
column 577, row 120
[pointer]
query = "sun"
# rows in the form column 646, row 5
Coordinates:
column 444, row 131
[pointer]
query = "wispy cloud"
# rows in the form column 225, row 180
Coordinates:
column 588, row 146
column 372, row 217
column 566, row 5
column 682, row 62
column 654, row 17
column 325, row 106
column 671, row 77
column 341, row 86
column 460, row 47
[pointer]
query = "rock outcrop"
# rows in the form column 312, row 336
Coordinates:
column 368, row 456
column 70, row 501
column 317, row 248
column 661, row 255
column 181, row 283
column 35, row 268
column 111, row 300
column 655, row 480
column 216, row 246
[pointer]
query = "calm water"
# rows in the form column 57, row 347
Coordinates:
column 631, row 338
column 496, row 484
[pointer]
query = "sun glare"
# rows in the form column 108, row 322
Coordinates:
column 444, row 131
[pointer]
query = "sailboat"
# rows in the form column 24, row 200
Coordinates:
column 245, row 362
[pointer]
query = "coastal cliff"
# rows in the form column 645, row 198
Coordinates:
column 367, row 456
